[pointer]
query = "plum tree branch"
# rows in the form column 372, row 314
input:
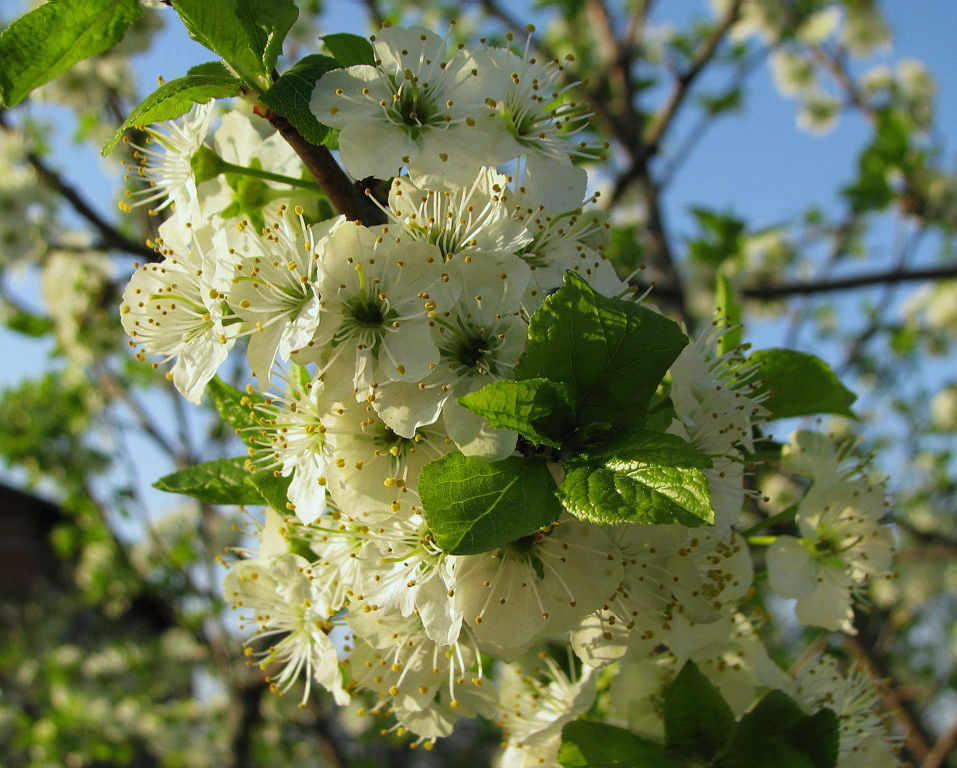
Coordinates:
column 342, row 192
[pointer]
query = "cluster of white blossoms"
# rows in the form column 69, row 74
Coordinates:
column 361, row 340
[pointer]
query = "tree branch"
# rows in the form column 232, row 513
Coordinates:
column 814, row 287
column 343, row 194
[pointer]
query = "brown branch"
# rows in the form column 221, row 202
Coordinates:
column 938, row 755
column 915, row 738
column 342, row 192
column 814, row 287
column 650, row 140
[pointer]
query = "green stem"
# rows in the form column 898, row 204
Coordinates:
column 761, row 541
column 780, row 517
column 269, row 176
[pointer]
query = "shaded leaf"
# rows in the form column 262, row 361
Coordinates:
column 291, row 93
column 800, row 384
column 610, row 354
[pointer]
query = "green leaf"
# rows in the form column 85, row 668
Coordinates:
column 593, row 745
column 248, row 34
column 640, row 477
column 349, row 50
column 610, row 354
column 472, row 506
column 273, row 488
column 28, row 323
column 215, row 68
column 221, row 481
column 267, row 22
column 535, row 408
column 777, row 734
column 291, row 93
column 721, row 237
column 174, row 99
column 800, row 384
column 727, row 307
column 50, row 39
column 233, row 405
column 698, row 721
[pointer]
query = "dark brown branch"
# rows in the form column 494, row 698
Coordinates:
column 891, row 277
column 342, row 192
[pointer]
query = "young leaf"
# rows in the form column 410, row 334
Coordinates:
column 215, row 68
column 472, row 506
column 698, row 721
column 248, row 34
column 777, row 734
column 50, row 39
column 590, row 745
column 290, row 95
column 640, row 477
column 349, row 50
column 610, row 353
column 727, row 307
column 535, row 408
column 267, row 22
column 221, row 481
column 232, row 405
column 272, row 488
column 174, row 99
column 800, row 385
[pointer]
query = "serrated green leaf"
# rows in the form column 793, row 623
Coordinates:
column 632, row 480
column 726, row 305
column 268, row 22
column 50, row 39
column 610, row 353
column 349, row 50
column 291, row 93
column 233, row 405
column 800, row 384
column 221, row 481
column 248, row 34
column 537, row 409
column 698, row 721
column 174, row 99
column 777, row 734
column 600, row 745
column 273, row 488
column 215, row 68
column 472, row 506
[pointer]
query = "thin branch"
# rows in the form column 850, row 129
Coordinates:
column 682, row 86
column 915, row 738
column 851, row 282
column 938, row 755
column 343, row 194
column 651, row 139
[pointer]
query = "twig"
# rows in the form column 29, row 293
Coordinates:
column 322, row 165
column 915, row 738
column 851, row 282
column 942, row 748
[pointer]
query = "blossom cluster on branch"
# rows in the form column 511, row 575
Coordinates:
column 499, row 483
